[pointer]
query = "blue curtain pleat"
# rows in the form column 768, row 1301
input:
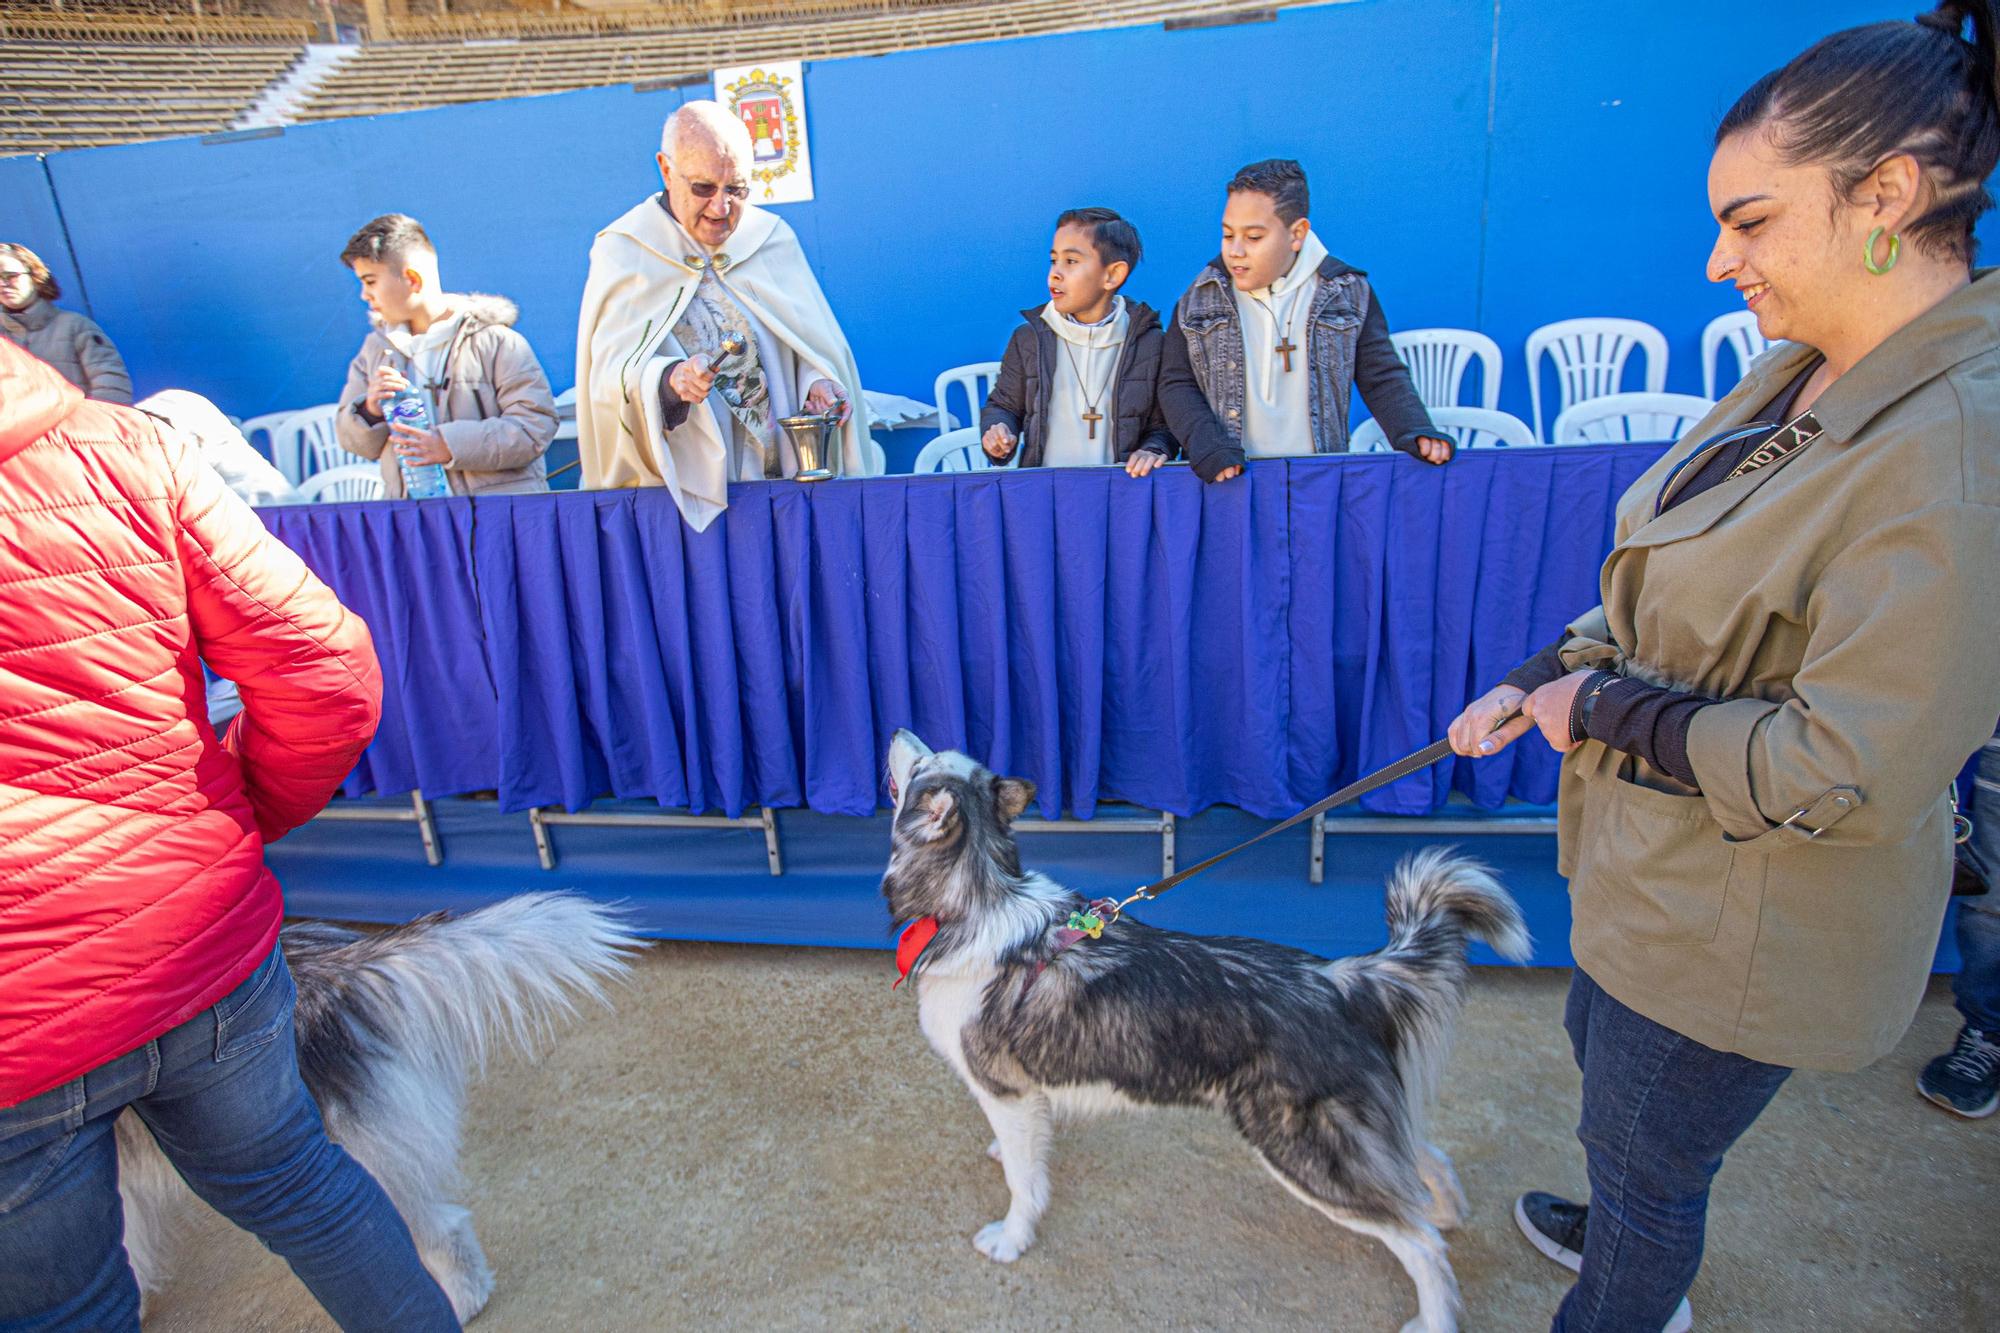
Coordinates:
column 404, row 569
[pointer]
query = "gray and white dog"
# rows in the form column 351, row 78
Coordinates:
column 1326, row 1067
column 391, row 1025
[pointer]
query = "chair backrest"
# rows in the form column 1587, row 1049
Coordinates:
column 1369, row 438
column 1622, row 417
column 1469, row 427
column 1738, row 331
column 269, row 424
column 319, row 447
column 976, row 380
column 1438, row 358
column 349, row 481
column 953, row 451
column 566, row 415
column 1590, row 356
column 305, row 443
column 878, row 458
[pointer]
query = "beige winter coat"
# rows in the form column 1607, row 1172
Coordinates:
column 1846, row 606
column 498, row 414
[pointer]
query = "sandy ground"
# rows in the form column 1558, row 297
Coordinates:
column 759, row 1138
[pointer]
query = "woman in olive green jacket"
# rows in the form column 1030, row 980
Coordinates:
column 1793, row 656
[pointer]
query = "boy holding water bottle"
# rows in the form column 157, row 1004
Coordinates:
column 443, row 387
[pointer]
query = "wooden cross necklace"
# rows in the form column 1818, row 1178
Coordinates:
column 1090, row 415
column 1286, row 346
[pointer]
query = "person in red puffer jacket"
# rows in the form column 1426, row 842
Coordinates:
column 138, row 922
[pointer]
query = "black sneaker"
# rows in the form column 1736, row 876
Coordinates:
column 1555, row 1227
column 1966, row 1079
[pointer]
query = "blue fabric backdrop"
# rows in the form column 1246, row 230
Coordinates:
column 1161, row 642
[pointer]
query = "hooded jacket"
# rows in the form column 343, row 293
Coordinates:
column 498, row 415
column 133, row 890
column 1020, row 395
column 1347, row 347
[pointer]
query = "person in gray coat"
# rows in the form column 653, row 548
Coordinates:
column 71, row 342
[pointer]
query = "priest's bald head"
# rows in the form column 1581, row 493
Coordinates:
column 704, row 162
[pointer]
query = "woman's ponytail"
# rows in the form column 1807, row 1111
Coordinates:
column 1984, row 16
column 1866, row 94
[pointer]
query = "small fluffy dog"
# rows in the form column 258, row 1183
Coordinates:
column 1327, row 1068
column 390, row 1027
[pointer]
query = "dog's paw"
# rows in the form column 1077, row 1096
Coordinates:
column 469, row 1292
column 993, row 1150
column 1001, row 1243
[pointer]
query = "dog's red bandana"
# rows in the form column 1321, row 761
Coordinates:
column 910, row 946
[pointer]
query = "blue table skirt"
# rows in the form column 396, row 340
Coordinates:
column 1160, row 641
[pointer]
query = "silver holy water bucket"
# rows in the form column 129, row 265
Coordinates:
column 816, row 441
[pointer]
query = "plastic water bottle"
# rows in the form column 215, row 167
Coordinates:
column 421, row 481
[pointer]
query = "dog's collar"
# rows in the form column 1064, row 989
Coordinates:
column 910, row 946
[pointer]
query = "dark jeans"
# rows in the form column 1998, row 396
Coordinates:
column 1659, row 1111
column 222, row 1096
column 1977, row 985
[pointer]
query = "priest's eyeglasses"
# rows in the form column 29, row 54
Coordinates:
column 707, row 189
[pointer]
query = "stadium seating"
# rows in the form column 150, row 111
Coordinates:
column 408, row 75
column 71, row 78
column 79, row 94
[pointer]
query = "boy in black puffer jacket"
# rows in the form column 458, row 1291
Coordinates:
column 1077, row 384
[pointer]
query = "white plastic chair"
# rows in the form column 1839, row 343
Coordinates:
column 305, row 443
column 953, row 451
column 270, row 423
column 1590, row 356
column 1738, row 330
column 1469, row 428
column 566, row 415
column 1621, row 418
column 1370, row 438
column 349, row 481
column 975, row 379
column 1438, row 359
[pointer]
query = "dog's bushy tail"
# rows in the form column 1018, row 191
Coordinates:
column 445, row 991
column 1436, row 902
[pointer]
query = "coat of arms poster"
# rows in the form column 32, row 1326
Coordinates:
column 770, row 100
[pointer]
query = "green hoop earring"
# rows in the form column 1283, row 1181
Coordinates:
column 1868, row 251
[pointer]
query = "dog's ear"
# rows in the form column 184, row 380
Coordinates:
column 1011, row 797
column 940, row 808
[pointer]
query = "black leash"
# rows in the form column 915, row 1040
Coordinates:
column 1381, row 777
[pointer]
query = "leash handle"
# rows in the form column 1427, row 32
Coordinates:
column 1381, row 777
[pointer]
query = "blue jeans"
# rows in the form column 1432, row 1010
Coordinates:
column 222, row 1096
column 1977, row 985
column 1659, row 1111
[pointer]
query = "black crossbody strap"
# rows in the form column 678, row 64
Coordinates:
column 1785, row 441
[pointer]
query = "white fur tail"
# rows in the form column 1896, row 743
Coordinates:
column 1435, row 901
column 1437, row 891
column 446, row 990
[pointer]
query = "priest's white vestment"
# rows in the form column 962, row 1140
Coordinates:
column 643, row 273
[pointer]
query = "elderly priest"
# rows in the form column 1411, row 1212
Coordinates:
column 702, row 328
